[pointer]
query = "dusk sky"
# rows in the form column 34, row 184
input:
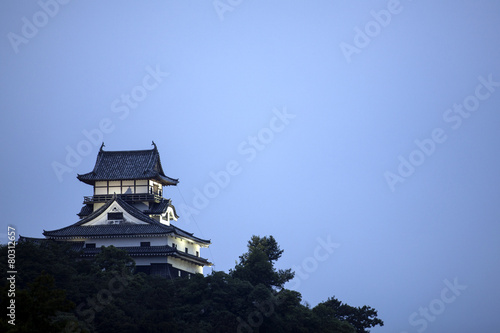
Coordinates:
column 362, row 135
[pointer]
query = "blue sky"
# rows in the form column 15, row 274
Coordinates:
column 361, row 135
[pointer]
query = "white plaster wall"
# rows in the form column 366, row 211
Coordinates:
column 141, row 186
column 114, row 183
column 161, row 219
column 100, row 190
column 152, row 182
column 170, row 213
column 115, row 189
column 183, row 243
column 185, row 266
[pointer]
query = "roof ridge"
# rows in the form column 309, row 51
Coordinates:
column 128, row 151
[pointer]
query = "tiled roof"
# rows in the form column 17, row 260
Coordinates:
column 158, row 208
column 133, row 251
column 191, row 257
column 86, row 210
column 75, row 246
column 107, row 231
column 189, row 235
column 130, row 164
column 142, row 251
column 150, row 228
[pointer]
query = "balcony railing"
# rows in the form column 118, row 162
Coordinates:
column 126, row 197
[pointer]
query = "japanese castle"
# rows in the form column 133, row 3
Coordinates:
column 128, row 211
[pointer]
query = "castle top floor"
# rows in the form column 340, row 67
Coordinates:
column 136, row 171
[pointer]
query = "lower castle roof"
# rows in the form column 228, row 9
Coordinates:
column 133, row 251
column 149, row 251
column 150, row 228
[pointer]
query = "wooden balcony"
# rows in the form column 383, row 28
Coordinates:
column 126, row 197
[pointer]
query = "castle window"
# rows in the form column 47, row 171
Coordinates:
column 145, row 244
column 197, row 253
column 90, row 245
column 115, row 216
column 186, row 250
column 174, row 245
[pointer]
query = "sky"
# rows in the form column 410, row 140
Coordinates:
column 360, row 134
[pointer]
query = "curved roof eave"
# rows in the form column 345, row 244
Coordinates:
column 128, row 208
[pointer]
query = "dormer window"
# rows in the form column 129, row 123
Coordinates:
column 115, row 218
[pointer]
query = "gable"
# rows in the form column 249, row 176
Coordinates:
column 114, row 214
column 170, row 214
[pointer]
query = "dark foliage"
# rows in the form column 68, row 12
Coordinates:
column 56, row 291
column 257, row 265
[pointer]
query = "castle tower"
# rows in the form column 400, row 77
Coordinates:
column 128, row 210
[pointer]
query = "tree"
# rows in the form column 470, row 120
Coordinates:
column 112, row 259
column 257, row 265
column 102, row 294
column 361, row 318
column 39, row 308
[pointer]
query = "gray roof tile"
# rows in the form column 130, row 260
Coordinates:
column 158, row 208
column 130, row 164
column 86, row 210
column 148, row 251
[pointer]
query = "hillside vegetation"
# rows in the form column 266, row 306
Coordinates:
column 56, row 291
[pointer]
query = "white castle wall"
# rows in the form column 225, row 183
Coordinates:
column 185, row 265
